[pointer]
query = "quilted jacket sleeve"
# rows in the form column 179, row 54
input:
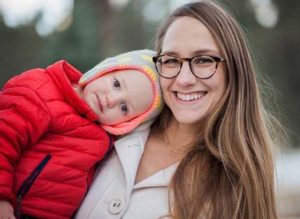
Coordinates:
column 23, row 119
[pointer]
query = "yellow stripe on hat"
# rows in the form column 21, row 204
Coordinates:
column 150, row 72
column 124, row 59
column 147, row 58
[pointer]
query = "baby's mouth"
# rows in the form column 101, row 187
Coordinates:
column 100, row 104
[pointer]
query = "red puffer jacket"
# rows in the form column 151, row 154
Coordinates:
column 49, row 142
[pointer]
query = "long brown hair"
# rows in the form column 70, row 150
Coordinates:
column 229, row 172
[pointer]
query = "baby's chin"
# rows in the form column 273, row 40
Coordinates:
column 109, row 122
column 105, row 122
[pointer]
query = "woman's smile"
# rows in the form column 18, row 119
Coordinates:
column 193, row 97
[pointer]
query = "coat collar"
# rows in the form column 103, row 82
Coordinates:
column 161, row 178
column 130, row 149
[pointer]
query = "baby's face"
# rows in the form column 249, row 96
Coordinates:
column 119, row 96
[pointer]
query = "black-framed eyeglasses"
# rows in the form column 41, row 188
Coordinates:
column 202, row 66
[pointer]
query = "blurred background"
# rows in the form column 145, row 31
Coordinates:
column 37, row 33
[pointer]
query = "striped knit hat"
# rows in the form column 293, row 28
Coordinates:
column 140, row 60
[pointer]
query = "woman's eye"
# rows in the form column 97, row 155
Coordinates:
column 124, row 108
column 116, row 84
column 203, row 60
column 170, row 61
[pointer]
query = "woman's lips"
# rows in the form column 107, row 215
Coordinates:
column 190, row 97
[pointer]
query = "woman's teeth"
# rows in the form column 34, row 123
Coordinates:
column 190, row 97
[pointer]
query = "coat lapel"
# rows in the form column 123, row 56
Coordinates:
column 130, row 149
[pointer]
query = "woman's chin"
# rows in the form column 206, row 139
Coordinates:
column 187, row 118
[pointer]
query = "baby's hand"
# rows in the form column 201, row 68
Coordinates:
column 6, row 210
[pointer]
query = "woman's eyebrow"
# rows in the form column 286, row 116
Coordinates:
column 206, row 50
column 171, row 53
column 196, row 52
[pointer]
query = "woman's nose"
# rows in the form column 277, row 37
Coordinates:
column 185, row 76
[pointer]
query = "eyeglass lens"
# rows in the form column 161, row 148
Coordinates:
column 201, row 66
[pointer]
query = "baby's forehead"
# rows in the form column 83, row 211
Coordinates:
column 133, row 75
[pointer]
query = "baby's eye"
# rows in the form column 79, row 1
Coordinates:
column 116, row 84
column 124, row 108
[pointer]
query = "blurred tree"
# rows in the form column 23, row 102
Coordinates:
column 79, row 44
column 19, row 50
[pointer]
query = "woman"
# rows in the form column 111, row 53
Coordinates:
column 208, row 154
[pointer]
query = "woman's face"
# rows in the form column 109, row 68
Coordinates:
column 189, row 98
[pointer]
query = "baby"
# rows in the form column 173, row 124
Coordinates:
column 57, row 124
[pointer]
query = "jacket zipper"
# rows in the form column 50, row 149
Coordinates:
column 26, row 185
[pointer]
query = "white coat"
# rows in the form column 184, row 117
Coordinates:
column 113, row 193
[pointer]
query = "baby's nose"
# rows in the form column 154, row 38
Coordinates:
column 112, row 100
